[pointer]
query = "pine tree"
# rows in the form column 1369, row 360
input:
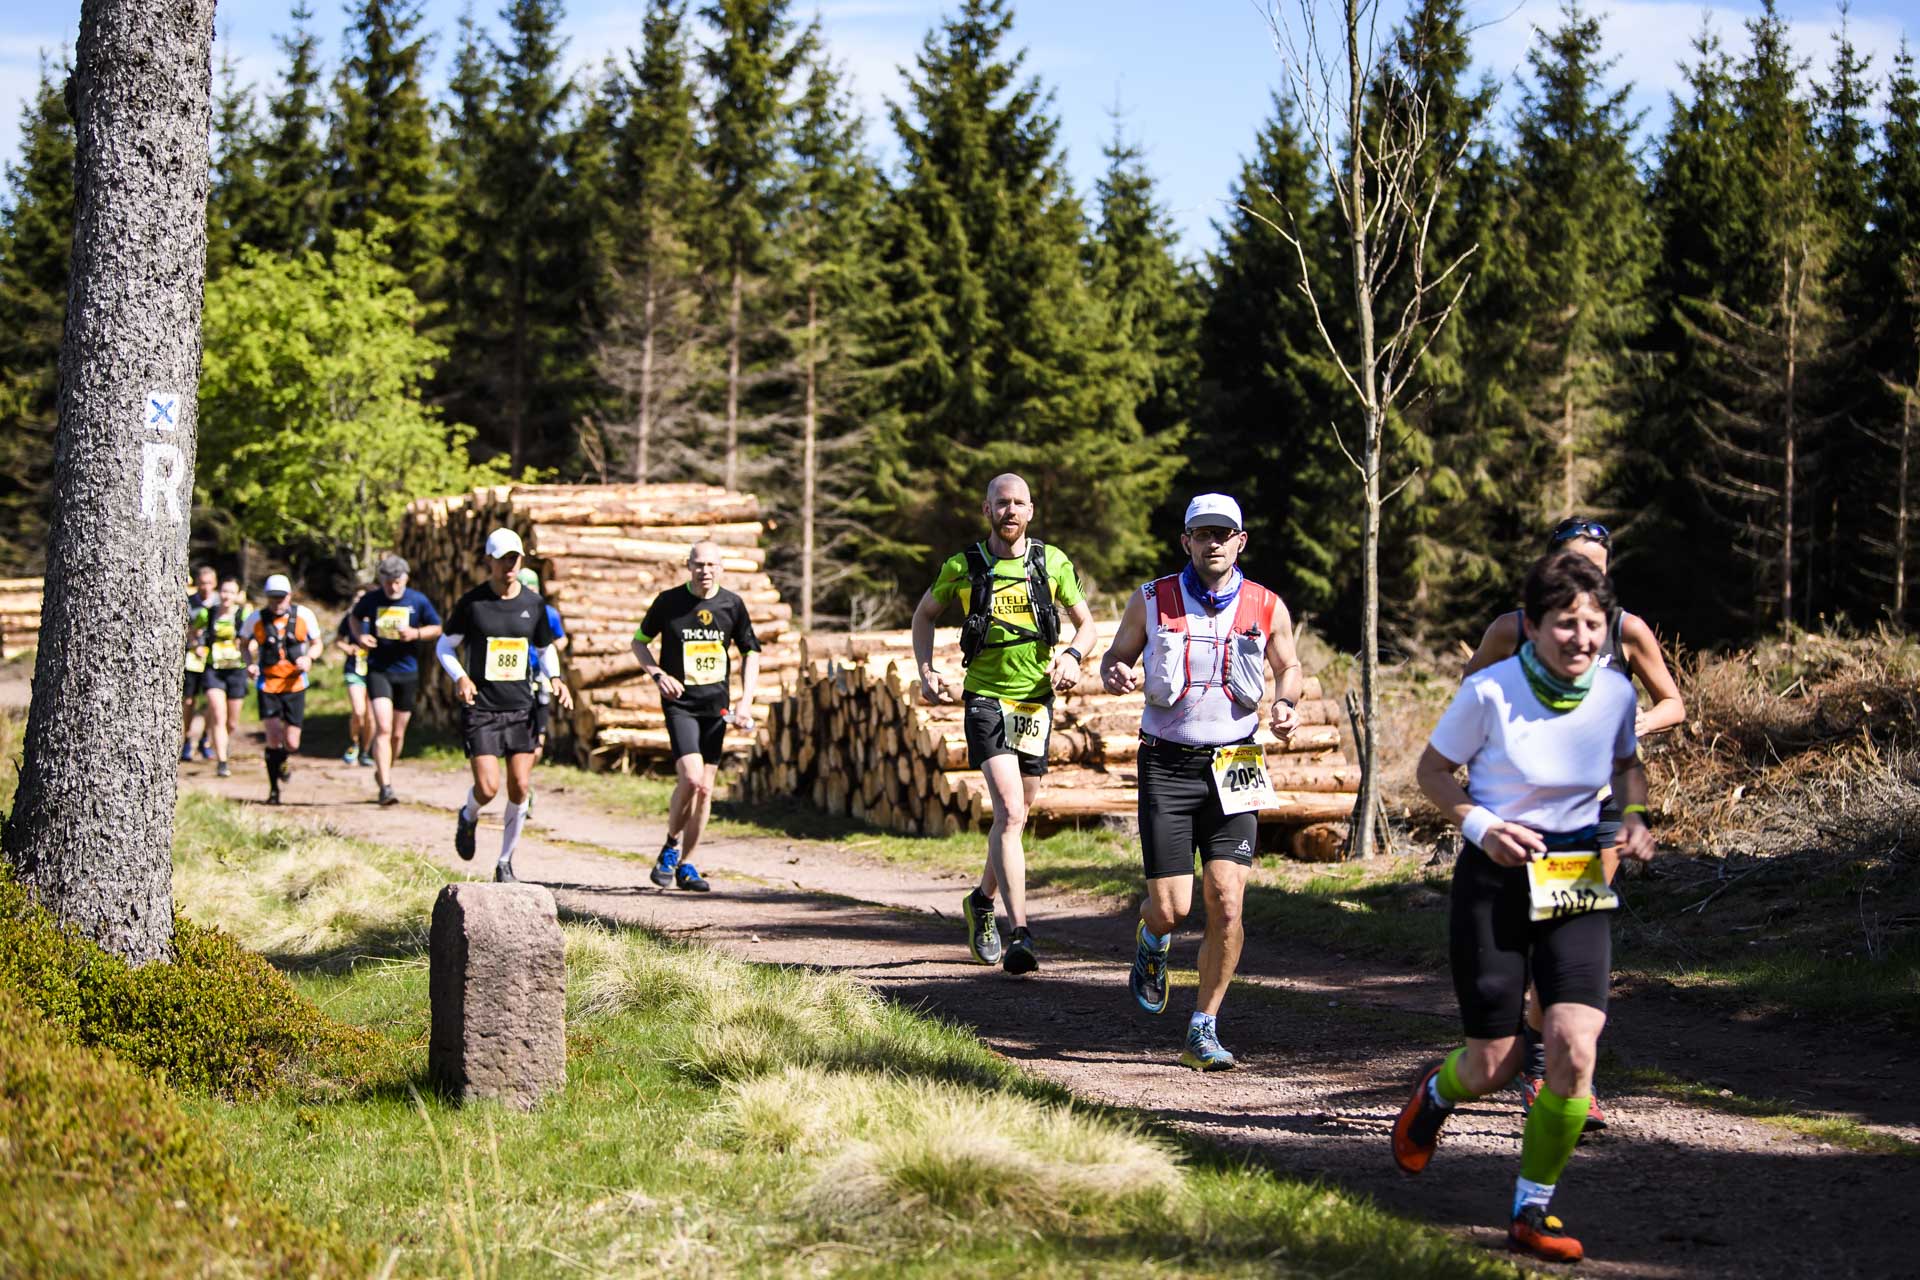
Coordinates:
column 749, row 69
column 236, row 201
column 36, row 243
column 382, row 150
column 293, row 160
column 1891, row 273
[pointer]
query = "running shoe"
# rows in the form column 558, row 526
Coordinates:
column 206, row 752
column 366, row 759
column 1596, row 1118
column 1417, row 1130
column 387, row 797
column 351, row 757
column 983, row 935
column 665, row 865
column 503, row 873
column 1148, row 981
column 463, row 835
column 1543, row 1235
column 186, row 753
column 224, row 770
column 1204, row 1051
column 1020, row 958
column 273, row 795
column 687, row 877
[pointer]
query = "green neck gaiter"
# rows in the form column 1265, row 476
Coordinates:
column 1555, row 694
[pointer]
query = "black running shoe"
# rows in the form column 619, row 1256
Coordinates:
column 273, row 795
column 463, row 835
column 983, row 934
column 1020, row 957
column 665, row 865
column 503, row 873
column 387, row 796
column 687, row 876
column 223, row 770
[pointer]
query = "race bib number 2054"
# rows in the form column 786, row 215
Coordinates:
column 1240, row 776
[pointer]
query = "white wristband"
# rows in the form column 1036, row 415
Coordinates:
column 1477, row 823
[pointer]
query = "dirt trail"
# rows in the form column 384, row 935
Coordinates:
column 1326, row 1045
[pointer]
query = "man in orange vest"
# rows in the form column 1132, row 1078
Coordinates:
column 281, row 639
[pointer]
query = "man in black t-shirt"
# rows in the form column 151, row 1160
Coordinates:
column 491, row 640
column 694, row 624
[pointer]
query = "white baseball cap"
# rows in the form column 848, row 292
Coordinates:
column 277, row 585
column 504, row 542
column 1215, row 510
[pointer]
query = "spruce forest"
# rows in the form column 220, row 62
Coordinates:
column 698, row 263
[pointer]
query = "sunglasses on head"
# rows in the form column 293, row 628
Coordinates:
column 1578, row 527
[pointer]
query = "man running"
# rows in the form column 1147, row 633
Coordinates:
column 280, row 639
column 387, row 623
column 1209, row 635
column 1016, row 587
column 226, row 674
column 201, row 602
column 694, row 623
column 500, row 629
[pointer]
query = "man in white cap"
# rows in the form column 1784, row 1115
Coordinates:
column 280, row 640
column 1208, row 635
column 492, row 638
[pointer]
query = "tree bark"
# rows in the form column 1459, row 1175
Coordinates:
column 1790, row 305
column 92, row 828
column 1369, row 378
column 731, row 472
column 1900, row 510
column 809, row 462
column 648, row 312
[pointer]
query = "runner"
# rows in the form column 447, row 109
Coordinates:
column 1016, row 588
column 694, row 623
column 387, row 623
column 226, row 674
column 1540, row 733
column 542, row 686
column 1209, row 634
column 1630, row 643
column 360, row 723
column 200, row 604
column 495, row 626
column 280, row 640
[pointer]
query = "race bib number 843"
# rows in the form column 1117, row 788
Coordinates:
column 705, row 662
column 1569, row 884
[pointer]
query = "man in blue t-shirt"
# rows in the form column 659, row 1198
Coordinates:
column 388, row 622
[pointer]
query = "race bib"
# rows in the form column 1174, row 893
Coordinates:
column 705, row 662
column 1026, row 725
column 226, row 654
column 506, row 658
column 1240, row 776
column 196, row 660
column 1569, row 884
column 387, row 623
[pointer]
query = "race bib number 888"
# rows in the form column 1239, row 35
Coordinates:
column 506, row 658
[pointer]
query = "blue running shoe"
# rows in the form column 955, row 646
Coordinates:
column 352, row 756
column 665, row 866
column 186, row 753
column 1148, row 981
column 686, row 877
column 1204, row 1051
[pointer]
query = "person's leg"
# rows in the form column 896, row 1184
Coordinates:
column 519, row 772
column 401, row 719
column 690, row 775
column 276, row 753
column 1224, row 885
column 1006, row 867
column 382, row 708
column 217, row 721
column 700, row 808
column 486, row 785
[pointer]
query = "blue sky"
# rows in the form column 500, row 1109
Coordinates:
column 1193, row 76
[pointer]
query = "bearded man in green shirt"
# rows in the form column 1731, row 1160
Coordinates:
column 1015, row 589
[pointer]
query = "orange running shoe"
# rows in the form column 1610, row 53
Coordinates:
column 1417, row 1131
column 1596, row 1118
column 1539, row 1233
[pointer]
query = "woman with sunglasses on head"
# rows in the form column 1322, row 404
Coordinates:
column 1631, row 645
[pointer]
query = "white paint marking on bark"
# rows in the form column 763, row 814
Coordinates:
column 161, row 409
column 161, row 469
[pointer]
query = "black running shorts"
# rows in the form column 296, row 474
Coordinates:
column 398, row 687
column 192, row 684
column 1495, row 948
column 232, row 682
column 289, row 708
column 496, row 733
column 987, row 734
column 1180, row 813
column 692, row 734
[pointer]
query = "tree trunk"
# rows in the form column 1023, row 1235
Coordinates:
column 1566, row 445
column 92, row 827
column 1790, row 305
column 732, row 469
column 808, row 463
column 1357, row 227
column 649, row 309
column 1900, row 509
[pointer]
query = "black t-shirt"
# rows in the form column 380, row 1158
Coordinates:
column 503, row 643
column 693, row 635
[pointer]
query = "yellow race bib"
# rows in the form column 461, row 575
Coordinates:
column 196, row 660
column 226, row 654
column 1569, row 884
column 705, row 662
column 1026, row 725
column 506, row 658
column 387, row 622
column 1240, row 777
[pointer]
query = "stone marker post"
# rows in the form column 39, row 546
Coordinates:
column 499, row 993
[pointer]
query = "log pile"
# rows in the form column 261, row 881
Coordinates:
column 603, row 553
column 852, row 736
column 19, row 615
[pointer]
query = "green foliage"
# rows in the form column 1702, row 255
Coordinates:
column 237, row 195
column 312, row 426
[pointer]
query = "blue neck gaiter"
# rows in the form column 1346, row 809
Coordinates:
column 1214, row 600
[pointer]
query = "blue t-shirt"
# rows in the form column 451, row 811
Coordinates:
column 383, row 616
column 553, row 620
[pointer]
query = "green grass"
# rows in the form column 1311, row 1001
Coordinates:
column 1838, row 1130
column 720, row 1118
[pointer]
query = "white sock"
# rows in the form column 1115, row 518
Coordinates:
column 510, row 829
column 471, row 809
column 1433, row 1095
column 1526, row 1193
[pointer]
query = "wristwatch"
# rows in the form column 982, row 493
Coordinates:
column 1290, row 702
column 1077, row 655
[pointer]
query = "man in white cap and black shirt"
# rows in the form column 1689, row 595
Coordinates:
column 279, row 641
column 500, row 629
column 1208, row 636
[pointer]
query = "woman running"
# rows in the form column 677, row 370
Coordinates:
column 1541, row 734
column 1631, row 645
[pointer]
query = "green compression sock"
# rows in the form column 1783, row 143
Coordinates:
column 1553, row 1127
column 1448, row 1083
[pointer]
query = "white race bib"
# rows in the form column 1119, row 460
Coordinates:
column 1240, row 776
column 1569, row 883
column 705, row 662
column 1026, row 725
column 506, row 658
column 387, row 623
column 226, row 654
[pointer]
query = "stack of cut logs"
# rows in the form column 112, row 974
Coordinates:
column 853, row 737
column 19, row 615
column 603, row 553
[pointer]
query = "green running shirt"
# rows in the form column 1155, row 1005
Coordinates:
column 1018, row 670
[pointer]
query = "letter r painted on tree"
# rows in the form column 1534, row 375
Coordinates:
column 162, row 468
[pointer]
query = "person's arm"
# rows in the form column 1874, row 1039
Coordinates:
column 1285, row 661
column 430, row 629
column 669, row 687
column 1507, row 843
column 1116, row 667
column 749, row 685
column 550, row 668
column 447, row 650
column 1064, row 671
column 934, row 685
column 305, row 660
column 363, row 636
column 1647, row 664
column 1630, row 785
column 1501, row 642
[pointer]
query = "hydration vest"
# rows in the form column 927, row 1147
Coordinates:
column 1046, row 618
column 1240, row 666
column 281, row 650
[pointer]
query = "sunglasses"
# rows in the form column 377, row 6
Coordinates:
column 1578, row 527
